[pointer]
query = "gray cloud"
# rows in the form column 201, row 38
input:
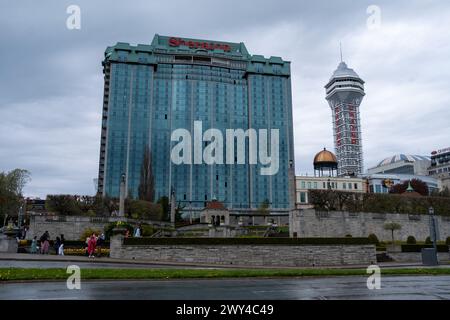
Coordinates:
column 51, row 78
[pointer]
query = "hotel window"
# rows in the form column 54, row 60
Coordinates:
column 377, row 188
column 344, row 185
column 349, row 186
column 324, row 185
column 315, row 185
column 356, row 186
column 309, row 185
column 303, row 185
column 302, row 197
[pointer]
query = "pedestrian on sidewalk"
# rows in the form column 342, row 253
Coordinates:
column 57, row 244
column 34, row 245
column 99, row 244
column 137, row 232
column 45, row 242
column 91, row 245
column 61, row 246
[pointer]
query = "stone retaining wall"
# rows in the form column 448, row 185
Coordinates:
column 416, row 257
column 73, row 226
column 311, row 223
column 248, row 255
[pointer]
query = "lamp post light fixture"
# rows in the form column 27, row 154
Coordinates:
column 432, row 228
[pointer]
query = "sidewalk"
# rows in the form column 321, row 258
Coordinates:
column 50, row 258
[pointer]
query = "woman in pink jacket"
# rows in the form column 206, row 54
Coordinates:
column 91, row 245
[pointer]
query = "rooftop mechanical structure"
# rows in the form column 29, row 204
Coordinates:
column 344, row 93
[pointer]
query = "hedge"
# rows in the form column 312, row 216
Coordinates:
column 419, row 247
column 247, row 241
column 377, row 203
column 67, row 243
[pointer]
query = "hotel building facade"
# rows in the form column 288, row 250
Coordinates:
column 152, row 90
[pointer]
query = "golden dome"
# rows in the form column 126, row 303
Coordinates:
column 325, row 156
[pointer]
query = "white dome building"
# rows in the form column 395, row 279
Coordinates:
column 403, row 164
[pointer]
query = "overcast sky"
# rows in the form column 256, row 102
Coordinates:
column 51, row 77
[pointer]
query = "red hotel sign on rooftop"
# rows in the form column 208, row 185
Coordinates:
column 176, row 42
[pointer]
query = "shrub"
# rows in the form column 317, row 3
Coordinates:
column 90, row 213
column 447, row 241
column 348, row 236
column 411, row 240
column 326, row 200
column 428, row 241
column 147, row 230
column 109, row 228
column 419, row 247
column 88, row 232
column 373, row 237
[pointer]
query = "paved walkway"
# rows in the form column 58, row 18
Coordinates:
column 125, row 263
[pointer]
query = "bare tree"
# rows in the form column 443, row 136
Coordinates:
column 146, row 189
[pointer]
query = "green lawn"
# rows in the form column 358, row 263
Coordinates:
column 11, row 274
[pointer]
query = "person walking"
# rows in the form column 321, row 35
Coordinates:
column 45, row 242
column 99, row 244
column 137, row 232
column 34, row 245
column 91, row 245
column 61, row 246
column 57, row 244
column 87, row 245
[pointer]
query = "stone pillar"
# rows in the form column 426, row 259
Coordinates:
column 122, row 196
column 116, row 242
column 8, row 245
column 8, row 242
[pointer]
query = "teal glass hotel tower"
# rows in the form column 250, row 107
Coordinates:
column 151, row 90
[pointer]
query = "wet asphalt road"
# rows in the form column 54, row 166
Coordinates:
column 335, row 288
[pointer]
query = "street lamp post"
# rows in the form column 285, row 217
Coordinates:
column 433, row 234
column 432, row 228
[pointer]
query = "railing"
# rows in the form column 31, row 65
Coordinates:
column 414, row 217
column 379, row 216
column 157, row 234
column 322, row 214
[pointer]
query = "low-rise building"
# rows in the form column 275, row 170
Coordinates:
column 440, row 167
column 325, row 178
